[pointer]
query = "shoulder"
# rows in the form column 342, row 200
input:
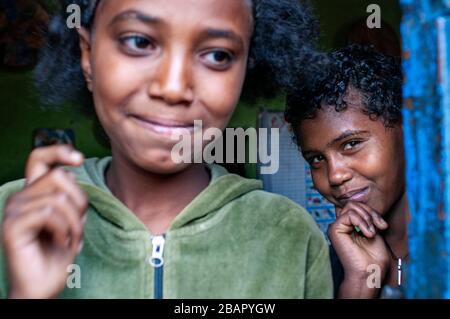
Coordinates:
column 8, row 189
column 247, row 204
column 279, row 215
column 278, row 209
column 12, row 187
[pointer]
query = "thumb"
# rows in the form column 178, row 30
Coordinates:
column 43, row 159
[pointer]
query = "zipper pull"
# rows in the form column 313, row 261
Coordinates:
column 156, row 259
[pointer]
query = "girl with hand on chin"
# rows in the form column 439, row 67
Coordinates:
column 349, row 129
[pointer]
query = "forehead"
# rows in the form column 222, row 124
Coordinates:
column 235, row 14
column 328, row 124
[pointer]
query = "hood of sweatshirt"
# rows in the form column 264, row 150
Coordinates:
column 222, row 189
column 233, row 240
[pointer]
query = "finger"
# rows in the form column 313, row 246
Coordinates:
column 339, row 227
column 360, row 210
column 366, row 229
column 43, row 159
column 62, row 205
column 338, row 210
column 56, row 181
column 65, row 182
column 24, row 228
column 346, row 223
column 377, row 219
column 354, row 219
column 57, row 226
column 67, row 217
column 58, row 230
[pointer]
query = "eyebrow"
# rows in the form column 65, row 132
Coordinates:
column 344, row 135
column 135, row 15
column 212, row 33
column 209, row 33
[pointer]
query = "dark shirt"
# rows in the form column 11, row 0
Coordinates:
column 337, row 270
column 338, row 277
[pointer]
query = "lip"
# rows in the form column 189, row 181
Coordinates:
column 164, row 127
column 356, row 195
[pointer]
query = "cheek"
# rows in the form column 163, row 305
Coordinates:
column 115, row 80
column 321, row 183
column 371, row 164
column 391, row 170
column 219, row 94
column 379, row 165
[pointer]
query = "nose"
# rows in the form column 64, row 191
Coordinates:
column 338, row 172
column 173, row 80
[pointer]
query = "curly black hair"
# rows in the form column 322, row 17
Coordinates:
column 282, row 54
column 377, row 76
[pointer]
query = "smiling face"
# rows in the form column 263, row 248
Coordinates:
column 353, row 157
column 155, row 66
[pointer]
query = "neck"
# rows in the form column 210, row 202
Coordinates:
column 396, row 235
column 156, row 199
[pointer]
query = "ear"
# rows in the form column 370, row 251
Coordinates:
column 85, row 46
column 399, row 126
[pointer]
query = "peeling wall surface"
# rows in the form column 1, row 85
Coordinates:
column 425, row 30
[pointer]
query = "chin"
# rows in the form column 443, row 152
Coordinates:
column 160, row 163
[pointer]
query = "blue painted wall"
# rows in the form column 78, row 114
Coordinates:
column 425, row 31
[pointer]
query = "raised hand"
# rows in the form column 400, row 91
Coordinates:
column 43, row 224
column 358, row 250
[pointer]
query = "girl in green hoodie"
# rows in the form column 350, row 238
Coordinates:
column 140, row 224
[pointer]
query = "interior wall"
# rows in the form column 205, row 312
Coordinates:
column 21, row 112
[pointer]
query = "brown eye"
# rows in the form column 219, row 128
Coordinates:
column 317, row 159
column 136, row 44
column 350, row 145
column 218, row 59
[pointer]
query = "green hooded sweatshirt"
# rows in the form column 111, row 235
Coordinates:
column 232, row 241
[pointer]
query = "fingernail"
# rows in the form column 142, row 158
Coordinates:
column 84, row 219
column 372, row 229
column 76, row 156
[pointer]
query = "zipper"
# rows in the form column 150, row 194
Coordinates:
column 157, row 262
